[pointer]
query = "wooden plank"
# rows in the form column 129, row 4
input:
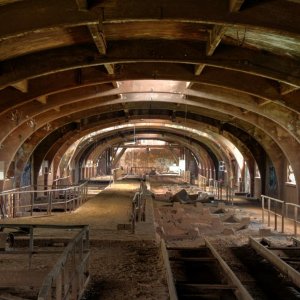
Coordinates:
column 22, row 278
column 283, row 267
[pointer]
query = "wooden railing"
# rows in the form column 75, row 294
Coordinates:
column 70, row 274
column 277, row 211
column 28, row 201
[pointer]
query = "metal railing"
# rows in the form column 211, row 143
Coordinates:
column 69, row 276
column 138, row 209
column 279, row 211
column 27, row 201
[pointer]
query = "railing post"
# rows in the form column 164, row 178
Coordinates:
column 282, row 217
column 275, row 215
column 263, row 208
column 295, row 219
column 269, row 212
column 66, row 203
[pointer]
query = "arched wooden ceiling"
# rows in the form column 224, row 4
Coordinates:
column 236, row 62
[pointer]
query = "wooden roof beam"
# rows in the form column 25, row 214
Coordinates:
column 63, row 59
column 46, row 14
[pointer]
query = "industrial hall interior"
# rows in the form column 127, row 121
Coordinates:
column 149, row 149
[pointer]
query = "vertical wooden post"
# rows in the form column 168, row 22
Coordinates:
column 282, row 216
column 269, row 208
column 263, row 208
column 66, row 205
column 275, row 215
column 295, row 219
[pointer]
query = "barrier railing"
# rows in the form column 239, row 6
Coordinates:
column 279, row 211
column 138, row 206
column 27, row 201
column 70, row 274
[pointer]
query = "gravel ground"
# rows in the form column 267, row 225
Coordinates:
column 126, row 270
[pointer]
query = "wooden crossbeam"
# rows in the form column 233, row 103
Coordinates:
column 214, row 39
column 287, row 88
column 42, row 99
column 100, row 42
column 199, row 68
column 98, row 37
column 235, row 5
column 22, row 86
